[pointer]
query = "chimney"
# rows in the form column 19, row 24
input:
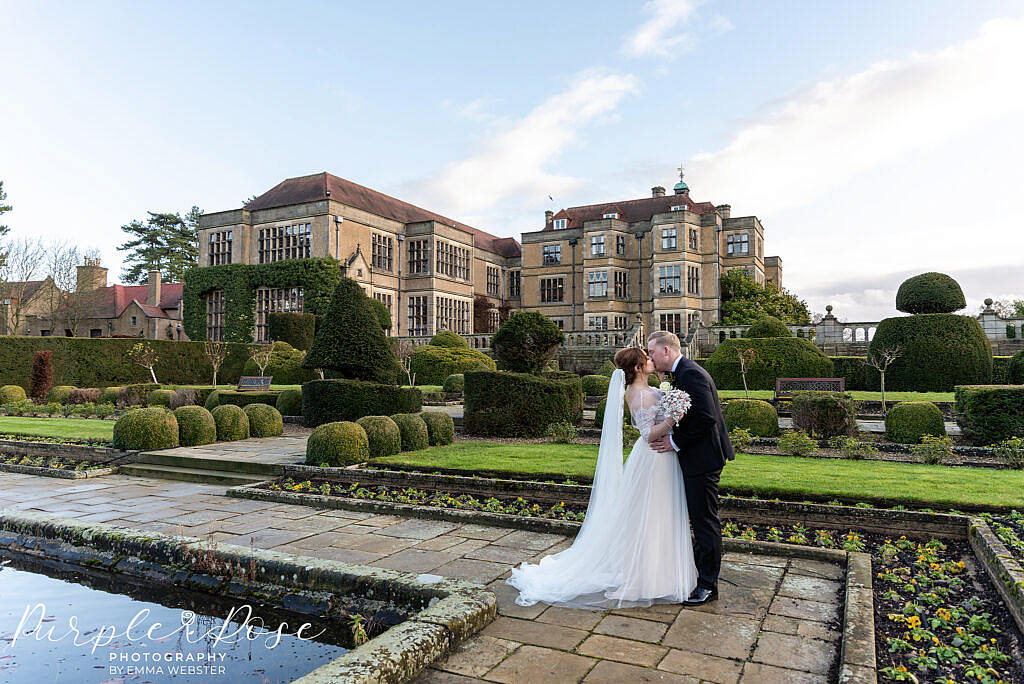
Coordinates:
column 90, row 276
column 724, row 210
column 153, row 289
column 547, row 216
column 657, row 191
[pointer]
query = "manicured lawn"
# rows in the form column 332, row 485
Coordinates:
column 71, row 428
column 856, row 394
column 765, row 476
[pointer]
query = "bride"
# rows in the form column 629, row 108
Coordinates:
column 634, row 546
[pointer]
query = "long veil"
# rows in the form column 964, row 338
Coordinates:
column 608, row 473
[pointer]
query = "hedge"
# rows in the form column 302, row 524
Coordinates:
column 297, row 329
column 101, row 362
column 526, row 342
column 60, row 394
column 108, row 395
column 504, row 404
column 385, row 439
column 195, row 426
column 440, row 427
column 12, row 393
column 1014, row 369
column 237, row 398
column 857, row 373
column 607, row 368
column 326, row 401
column 289, row 402
column 159, row 397
column 454, row 383
column 930, row 293
column 824, row 414
column 939, row 351
column 447, row 338
column 990, row 413
column 774, row 357
column 415, row 435
column 908, row 421
column 146, row 428
column 285, row 366
column 337, row 444
column 264, row 420
column 755, row 415
column 317, row 277
column 627, row 417
column 232, row 423
column 595, row 385
column 432, row 365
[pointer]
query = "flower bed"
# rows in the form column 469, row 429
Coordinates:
column 39, row 439
column 1010, row 530
column 49, row 466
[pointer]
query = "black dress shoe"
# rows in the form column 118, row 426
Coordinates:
column 701, row 596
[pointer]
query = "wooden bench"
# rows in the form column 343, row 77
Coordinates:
column 254, row 382
column 784, row 387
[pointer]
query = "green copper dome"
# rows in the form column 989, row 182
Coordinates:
column 681, row 186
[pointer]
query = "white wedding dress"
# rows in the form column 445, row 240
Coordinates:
column 634, row 547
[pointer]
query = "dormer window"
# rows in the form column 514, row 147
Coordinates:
column 613, row 215
column 680, row 207
column 559, row 224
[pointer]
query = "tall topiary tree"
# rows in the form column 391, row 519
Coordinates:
column 930, row 293
column 382, row 314
column 41, row 379
column 526, row 342
column 350, row 341
column 446, row 338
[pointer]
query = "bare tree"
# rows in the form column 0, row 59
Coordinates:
column 260, row 354
column 404, row 354
column 215, row 353
column 61, row 264
column 880, row 361
column 143, row 354
column 21, row 265
column 746, row 357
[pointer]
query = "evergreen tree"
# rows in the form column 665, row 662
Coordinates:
column 744, row 302
column 4, row 208
column 166, row 242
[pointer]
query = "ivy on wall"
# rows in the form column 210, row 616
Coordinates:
column 317, row 277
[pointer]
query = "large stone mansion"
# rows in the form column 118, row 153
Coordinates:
column 595, row 267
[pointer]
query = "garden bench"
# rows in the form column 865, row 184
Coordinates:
column 784, row 387
column 254, row 382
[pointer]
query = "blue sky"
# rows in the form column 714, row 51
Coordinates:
column 873, row 139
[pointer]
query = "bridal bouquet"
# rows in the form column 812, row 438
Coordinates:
column 675, row 403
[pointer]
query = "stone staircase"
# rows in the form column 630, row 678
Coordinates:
column 217, row 471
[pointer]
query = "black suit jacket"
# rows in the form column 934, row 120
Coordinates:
column 701, row 436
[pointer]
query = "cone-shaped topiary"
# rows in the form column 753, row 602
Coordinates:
column 159, row 397
column 755, row 415
column 195, row 426
column 337, row 444
column 144, row 429
column 264, row 420
column 526, row 342
column 937, row 352
column 382, row 314
column 350, row 340
column 446, row 338
column 59, row 394
column 908, row 421
column 414, row 431
column 930, row 293
column 383, row 434
column 769, row 326
column 440, row 427
column 595, row 385
column 232, row 423
column 289, row 402
column 455, row 383
column 12, row 393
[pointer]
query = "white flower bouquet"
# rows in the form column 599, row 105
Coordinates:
column 675, row 402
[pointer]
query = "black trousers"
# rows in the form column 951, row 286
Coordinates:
column 702, row 504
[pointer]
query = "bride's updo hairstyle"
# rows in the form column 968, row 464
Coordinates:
column 628, row 359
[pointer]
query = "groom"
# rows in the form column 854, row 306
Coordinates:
column 703, row 445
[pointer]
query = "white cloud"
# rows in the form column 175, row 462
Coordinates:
column 514, row 161
column 657, row 35
column 821, row 138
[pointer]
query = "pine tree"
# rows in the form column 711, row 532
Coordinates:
column 165, row 242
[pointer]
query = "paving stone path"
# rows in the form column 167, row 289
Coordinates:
column 776, row 620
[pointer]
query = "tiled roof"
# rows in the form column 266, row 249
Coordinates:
column 111, row 301
column 22, row 289
column 629, row 211
column 316, row 187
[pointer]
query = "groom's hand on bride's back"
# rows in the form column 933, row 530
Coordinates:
column 662, row 444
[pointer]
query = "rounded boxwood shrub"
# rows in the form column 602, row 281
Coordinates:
column 337, row 444
column 526, row 342
column 930, row 293
column 327, row 401
column 414, row 431
column 1015, row 369
column 769, row 326
column 60, row 394
column 908, row 421
column 595, row 385
column 774, row 357
column 446, row 338
column 455, row 383
column 758, row 417
column 383, row 434
column 159, row 397
column 289, row 402
column 824, row 414
column 108, row 395
column 607, row 368
column 502, row 404
column 232, row 423
column 627, row 417
column 264, row 420
column 12, row 393
column 146, row 428
column 212, row 400
column 990, row 413
column 432, row 364
column 440, row 427
column 938, row 352
column 195, row 426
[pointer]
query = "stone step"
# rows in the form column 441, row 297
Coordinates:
column 202, row 475
column 211, row 463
